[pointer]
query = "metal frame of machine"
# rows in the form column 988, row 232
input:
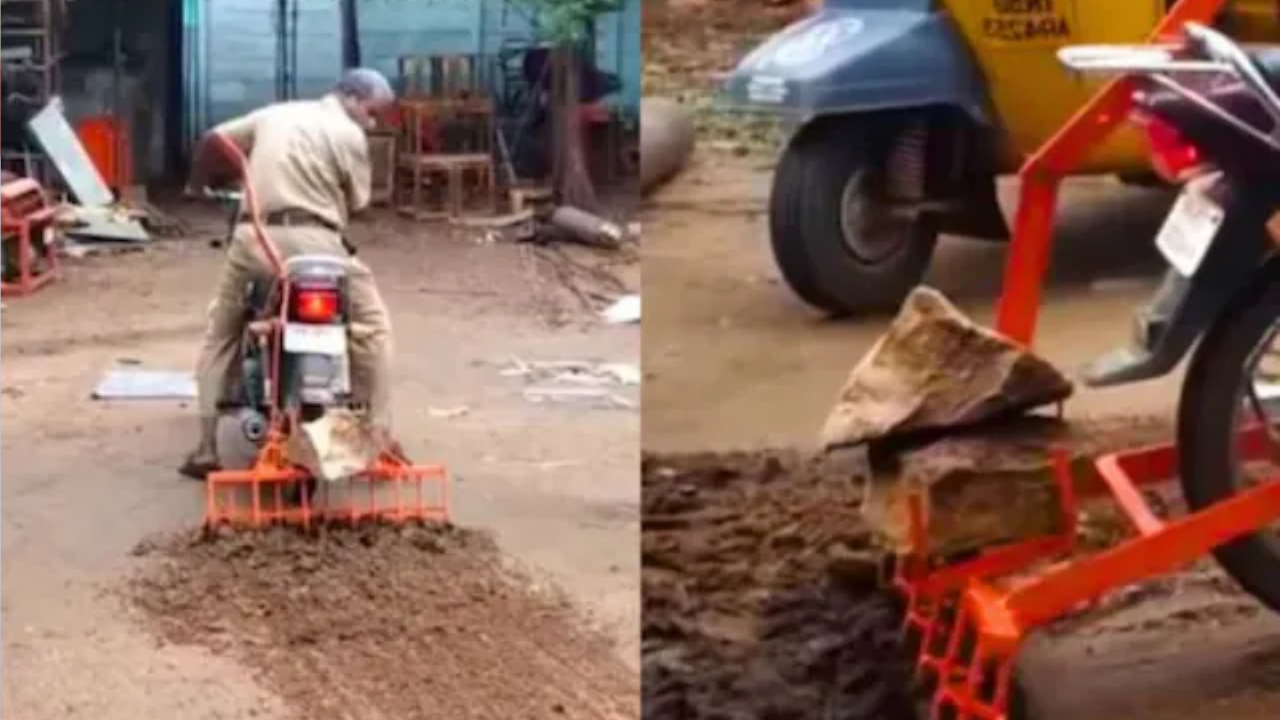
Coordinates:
column 966, row 621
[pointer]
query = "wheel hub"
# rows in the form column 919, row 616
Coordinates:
column 870, row 233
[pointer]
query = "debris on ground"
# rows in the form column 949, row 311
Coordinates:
column 586, row 227
column 518, row 226
column 449, row 413
column 579, row 382
column 549, row 223
column 593, row 276
column 573, row 372
column 935, row 369
column 107, row 224
column 133, row 383
column 591, row 397
column 417, row 622
column 625, row 311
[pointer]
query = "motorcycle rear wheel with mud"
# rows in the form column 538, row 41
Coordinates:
column 1208, row 421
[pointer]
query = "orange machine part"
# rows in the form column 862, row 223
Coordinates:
column 108, row 146
column 1028, row 259
column 391, row 490
column 968, row 619
column 25, row 214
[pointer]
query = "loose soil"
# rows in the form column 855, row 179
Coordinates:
column 740, row 548
column 397, row 622
column 757, row 571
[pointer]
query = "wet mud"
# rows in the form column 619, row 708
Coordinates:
column 759, row 579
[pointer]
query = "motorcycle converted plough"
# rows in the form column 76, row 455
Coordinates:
column 297, row 443
column 966, row 617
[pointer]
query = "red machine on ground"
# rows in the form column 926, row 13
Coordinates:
column 967, row 620
column 26, row 222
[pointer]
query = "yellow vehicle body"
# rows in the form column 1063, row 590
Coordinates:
column 1015, row 41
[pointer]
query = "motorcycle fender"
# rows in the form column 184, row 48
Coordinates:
column 843, row 60
column 1241, row 246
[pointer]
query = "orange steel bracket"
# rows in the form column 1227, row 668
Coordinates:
column 1028, row 259
column 966, row 621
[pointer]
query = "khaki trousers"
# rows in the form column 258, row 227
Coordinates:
column 371, row 341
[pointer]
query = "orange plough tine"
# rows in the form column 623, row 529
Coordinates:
column 391, row 491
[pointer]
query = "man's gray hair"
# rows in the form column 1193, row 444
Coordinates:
column 366, row 85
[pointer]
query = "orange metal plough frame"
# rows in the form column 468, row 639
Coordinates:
column 967, row 620
column 256, row 497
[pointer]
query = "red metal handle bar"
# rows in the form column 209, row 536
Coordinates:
column 251, row 201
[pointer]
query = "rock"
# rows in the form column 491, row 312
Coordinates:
column 994, row 484
column 935, row 369
column 337, row 445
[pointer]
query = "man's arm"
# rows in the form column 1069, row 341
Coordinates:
column 357, row 172
column 211, row 162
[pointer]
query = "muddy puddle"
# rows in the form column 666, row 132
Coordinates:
column 760, row 602
column 382, row 622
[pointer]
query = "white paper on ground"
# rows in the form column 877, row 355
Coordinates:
column 136, row 384
column 626, row 310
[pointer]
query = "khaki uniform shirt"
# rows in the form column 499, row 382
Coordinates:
column 305, row 155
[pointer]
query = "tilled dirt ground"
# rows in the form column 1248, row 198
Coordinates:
column 378, row 621
column 751, row 562
column 759, row 584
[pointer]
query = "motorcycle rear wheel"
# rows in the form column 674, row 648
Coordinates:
column 1209, row 414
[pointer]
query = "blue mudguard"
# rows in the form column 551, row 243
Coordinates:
column 857, row 56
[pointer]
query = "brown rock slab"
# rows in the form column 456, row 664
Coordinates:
column 935, row 369
column 994, row 486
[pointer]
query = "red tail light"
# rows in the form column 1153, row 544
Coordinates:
column 1172, row 157
column 315, row 305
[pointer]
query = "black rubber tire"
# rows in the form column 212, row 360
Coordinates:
column 805, row 221
column 1207, row 411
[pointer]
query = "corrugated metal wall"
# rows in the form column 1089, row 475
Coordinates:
column 233, row 52
column 391, row 29
column 233, row 55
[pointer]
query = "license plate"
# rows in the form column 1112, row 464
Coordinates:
column 1188, row 231
column 315, row 339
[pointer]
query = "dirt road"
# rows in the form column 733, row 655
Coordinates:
column 733, row 361
column 720, row 325
column 85, row 481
